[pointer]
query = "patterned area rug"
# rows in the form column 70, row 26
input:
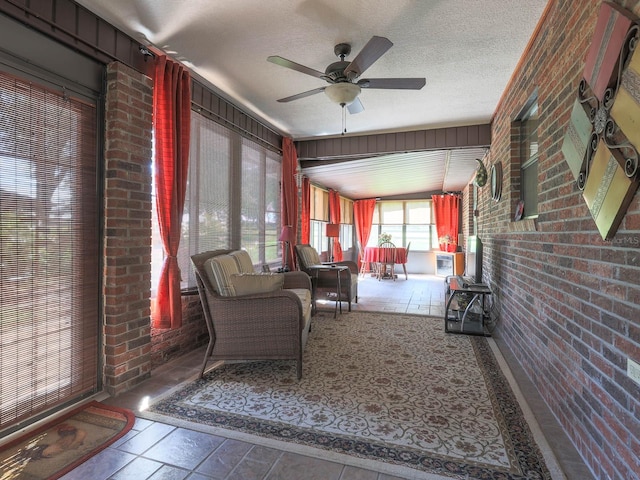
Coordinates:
column 388, row 387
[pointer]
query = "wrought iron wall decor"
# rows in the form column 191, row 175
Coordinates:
column 603, row 138
column 481, row 174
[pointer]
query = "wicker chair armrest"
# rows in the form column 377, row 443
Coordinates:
column 264, row 309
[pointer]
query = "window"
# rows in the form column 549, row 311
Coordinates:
column 272, row 246
column 406, row 221
column 529, row 158
column 232, row 199
column 346, row 236
column 206, row 219
column 260, row 205
column 346, row 223
column 319, row 206
column 319, row 214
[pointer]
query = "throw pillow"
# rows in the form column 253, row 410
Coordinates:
column 252, row 283
column 219, row 270
column 245, row 264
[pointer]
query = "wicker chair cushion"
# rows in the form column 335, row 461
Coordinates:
column 305, row 298
column 245, row 264
column 219, row 270
column 309, row 256
column 251, row 283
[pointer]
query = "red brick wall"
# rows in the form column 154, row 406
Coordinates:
column 568, row 300
column 168, row 344
column 127, row 228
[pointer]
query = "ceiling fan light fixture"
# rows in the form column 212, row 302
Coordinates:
column 343, row 93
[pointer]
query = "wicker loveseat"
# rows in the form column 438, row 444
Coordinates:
column 252, row 316
column 326, row 282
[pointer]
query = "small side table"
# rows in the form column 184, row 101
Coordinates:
column 467, row 320
column 316, row 269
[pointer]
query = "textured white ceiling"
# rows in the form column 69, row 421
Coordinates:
column 466, row 49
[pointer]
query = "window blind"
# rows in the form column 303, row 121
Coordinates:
column 232, row 197
column 206, row 218
column 49, row 249
column 252, row 193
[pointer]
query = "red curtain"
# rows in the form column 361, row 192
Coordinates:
column 446, row 211
column 334, row 216
column 363, row 213
column 305, row 217
column 289, row 193
column 171, row 119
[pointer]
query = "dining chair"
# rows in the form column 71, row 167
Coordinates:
column 406, row 258
column 386, row 261
column 364, row 268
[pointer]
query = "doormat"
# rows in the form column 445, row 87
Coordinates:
column 64, row 443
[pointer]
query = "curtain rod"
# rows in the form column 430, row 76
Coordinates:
column 237, row 128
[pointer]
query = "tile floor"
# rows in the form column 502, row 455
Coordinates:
column 157, row 451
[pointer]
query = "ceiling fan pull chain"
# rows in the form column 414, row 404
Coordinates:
column 344, row 120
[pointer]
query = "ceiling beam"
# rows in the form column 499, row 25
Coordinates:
column 363, row 146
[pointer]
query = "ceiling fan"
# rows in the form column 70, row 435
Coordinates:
column 344, row 77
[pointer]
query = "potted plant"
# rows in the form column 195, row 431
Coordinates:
column 383, row 238
column 448, row 242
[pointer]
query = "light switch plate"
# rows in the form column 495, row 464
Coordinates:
column 633, row 370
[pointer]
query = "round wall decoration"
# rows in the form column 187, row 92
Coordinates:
column 496, row 181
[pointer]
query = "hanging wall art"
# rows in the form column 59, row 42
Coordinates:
column 603, row 137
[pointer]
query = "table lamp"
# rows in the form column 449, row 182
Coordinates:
column 286, row 236
column 332, row 231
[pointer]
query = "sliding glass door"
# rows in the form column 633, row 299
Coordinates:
column 49, row 247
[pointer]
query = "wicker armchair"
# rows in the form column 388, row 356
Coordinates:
column 326, row 282
column 260, row 326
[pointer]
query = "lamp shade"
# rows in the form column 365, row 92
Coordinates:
column 343, row 93
column 333, row 230
column 286, row 235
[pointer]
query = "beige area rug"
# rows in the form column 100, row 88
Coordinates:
column 392, row 388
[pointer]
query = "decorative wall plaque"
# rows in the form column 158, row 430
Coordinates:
column 496, row 181
column 603, row 137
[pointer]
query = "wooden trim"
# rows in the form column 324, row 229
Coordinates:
column 354, row 147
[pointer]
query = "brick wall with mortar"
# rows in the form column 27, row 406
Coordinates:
column 168, row 344
column 127, row 228
column 569, row 301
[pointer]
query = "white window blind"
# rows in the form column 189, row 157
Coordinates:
column 272, row 246
column 206, row 219
column 253, row 193
column 224, row 169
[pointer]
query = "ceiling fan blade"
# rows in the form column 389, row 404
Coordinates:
column 302, row 95
column 355, row 107
column 372, row 51
column 283, row 62
column 395, row 83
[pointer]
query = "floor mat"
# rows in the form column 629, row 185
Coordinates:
column 62, row 444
